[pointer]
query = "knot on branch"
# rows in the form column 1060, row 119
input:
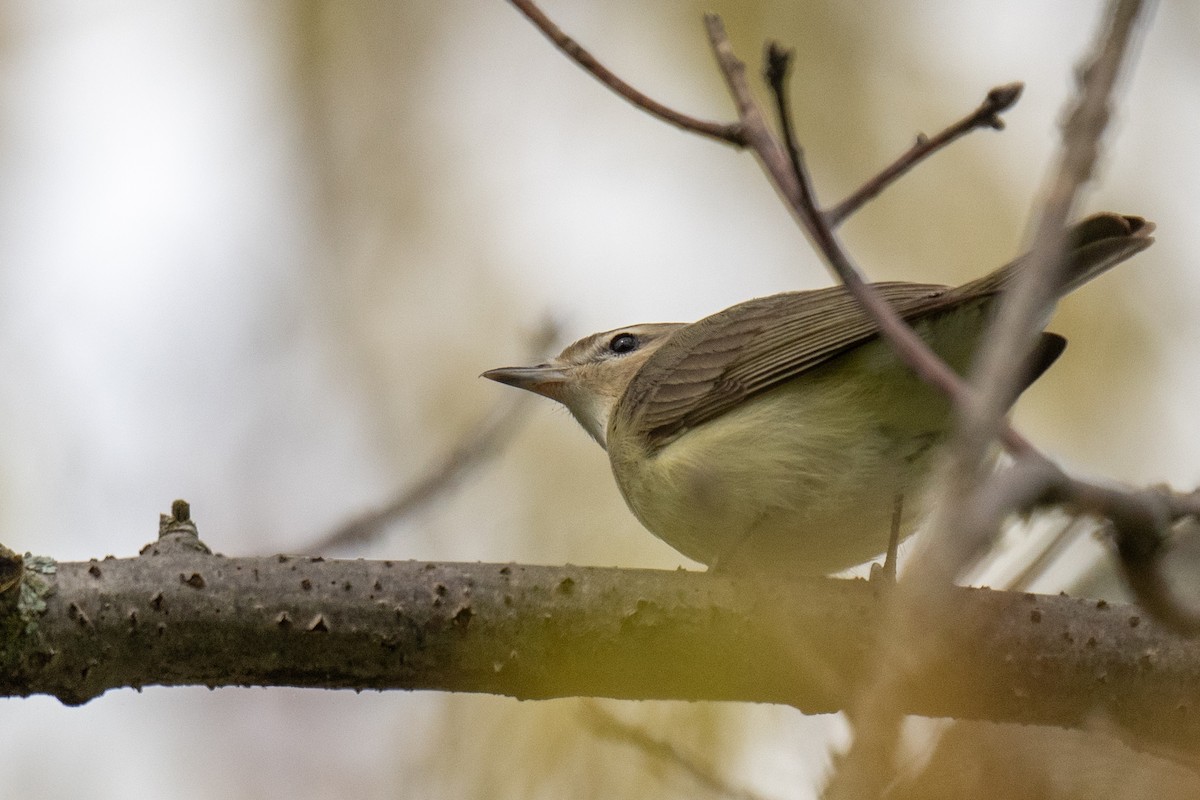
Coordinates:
column 12, row 567
column 177, row 533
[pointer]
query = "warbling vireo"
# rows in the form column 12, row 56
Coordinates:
column 776, row 434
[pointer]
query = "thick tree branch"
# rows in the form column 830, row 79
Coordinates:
column 180, row 616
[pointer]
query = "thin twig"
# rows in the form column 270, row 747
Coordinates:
column 483, row 441
column 730, row 133
column 1036, row 288
column 779, row 64
column 998, row 100
column 609, row 726
column 1048, row 553
column 791, row 180
column 1140, row 518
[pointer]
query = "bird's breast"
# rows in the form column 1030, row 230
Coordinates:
column 806, row 472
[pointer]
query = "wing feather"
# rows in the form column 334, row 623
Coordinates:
column 706, row 368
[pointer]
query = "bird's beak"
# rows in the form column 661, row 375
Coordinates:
column 547, row 380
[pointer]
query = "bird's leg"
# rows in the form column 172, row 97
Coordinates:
column 887, row 572
column 737, row 557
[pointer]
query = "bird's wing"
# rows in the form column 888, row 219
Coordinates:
column 705, row 369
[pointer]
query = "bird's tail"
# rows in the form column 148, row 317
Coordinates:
column 1094, row 245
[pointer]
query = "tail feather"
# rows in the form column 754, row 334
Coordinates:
column 1094, row 246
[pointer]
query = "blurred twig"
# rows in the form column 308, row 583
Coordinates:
column 1049, row 552
column 609, row 726
column 969, row 504
column 483, row 441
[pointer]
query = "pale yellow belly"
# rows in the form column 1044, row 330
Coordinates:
column 801, row 479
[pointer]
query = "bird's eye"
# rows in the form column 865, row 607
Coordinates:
column 623, row 343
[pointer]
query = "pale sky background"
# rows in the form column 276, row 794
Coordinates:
column 255, row 255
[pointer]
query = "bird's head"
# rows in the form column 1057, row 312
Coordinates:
column 589, row 376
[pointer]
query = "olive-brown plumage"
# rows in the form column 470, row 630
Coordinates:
column 775, row 435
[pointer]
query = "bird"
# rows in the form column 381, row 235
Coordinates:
column 778, row 434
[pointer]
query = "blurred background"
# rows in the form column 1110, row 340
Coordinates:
column 255, row 255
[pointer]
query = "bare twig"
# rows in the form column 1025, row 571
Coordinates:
column 1140, row 518
column 480, row 443
column 1033, row 293
column 779, row 64
column 730, row 133
column 791, row 180
column 1049, row 552
column 483, row 441
column 609, row 726
column 998, row 100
